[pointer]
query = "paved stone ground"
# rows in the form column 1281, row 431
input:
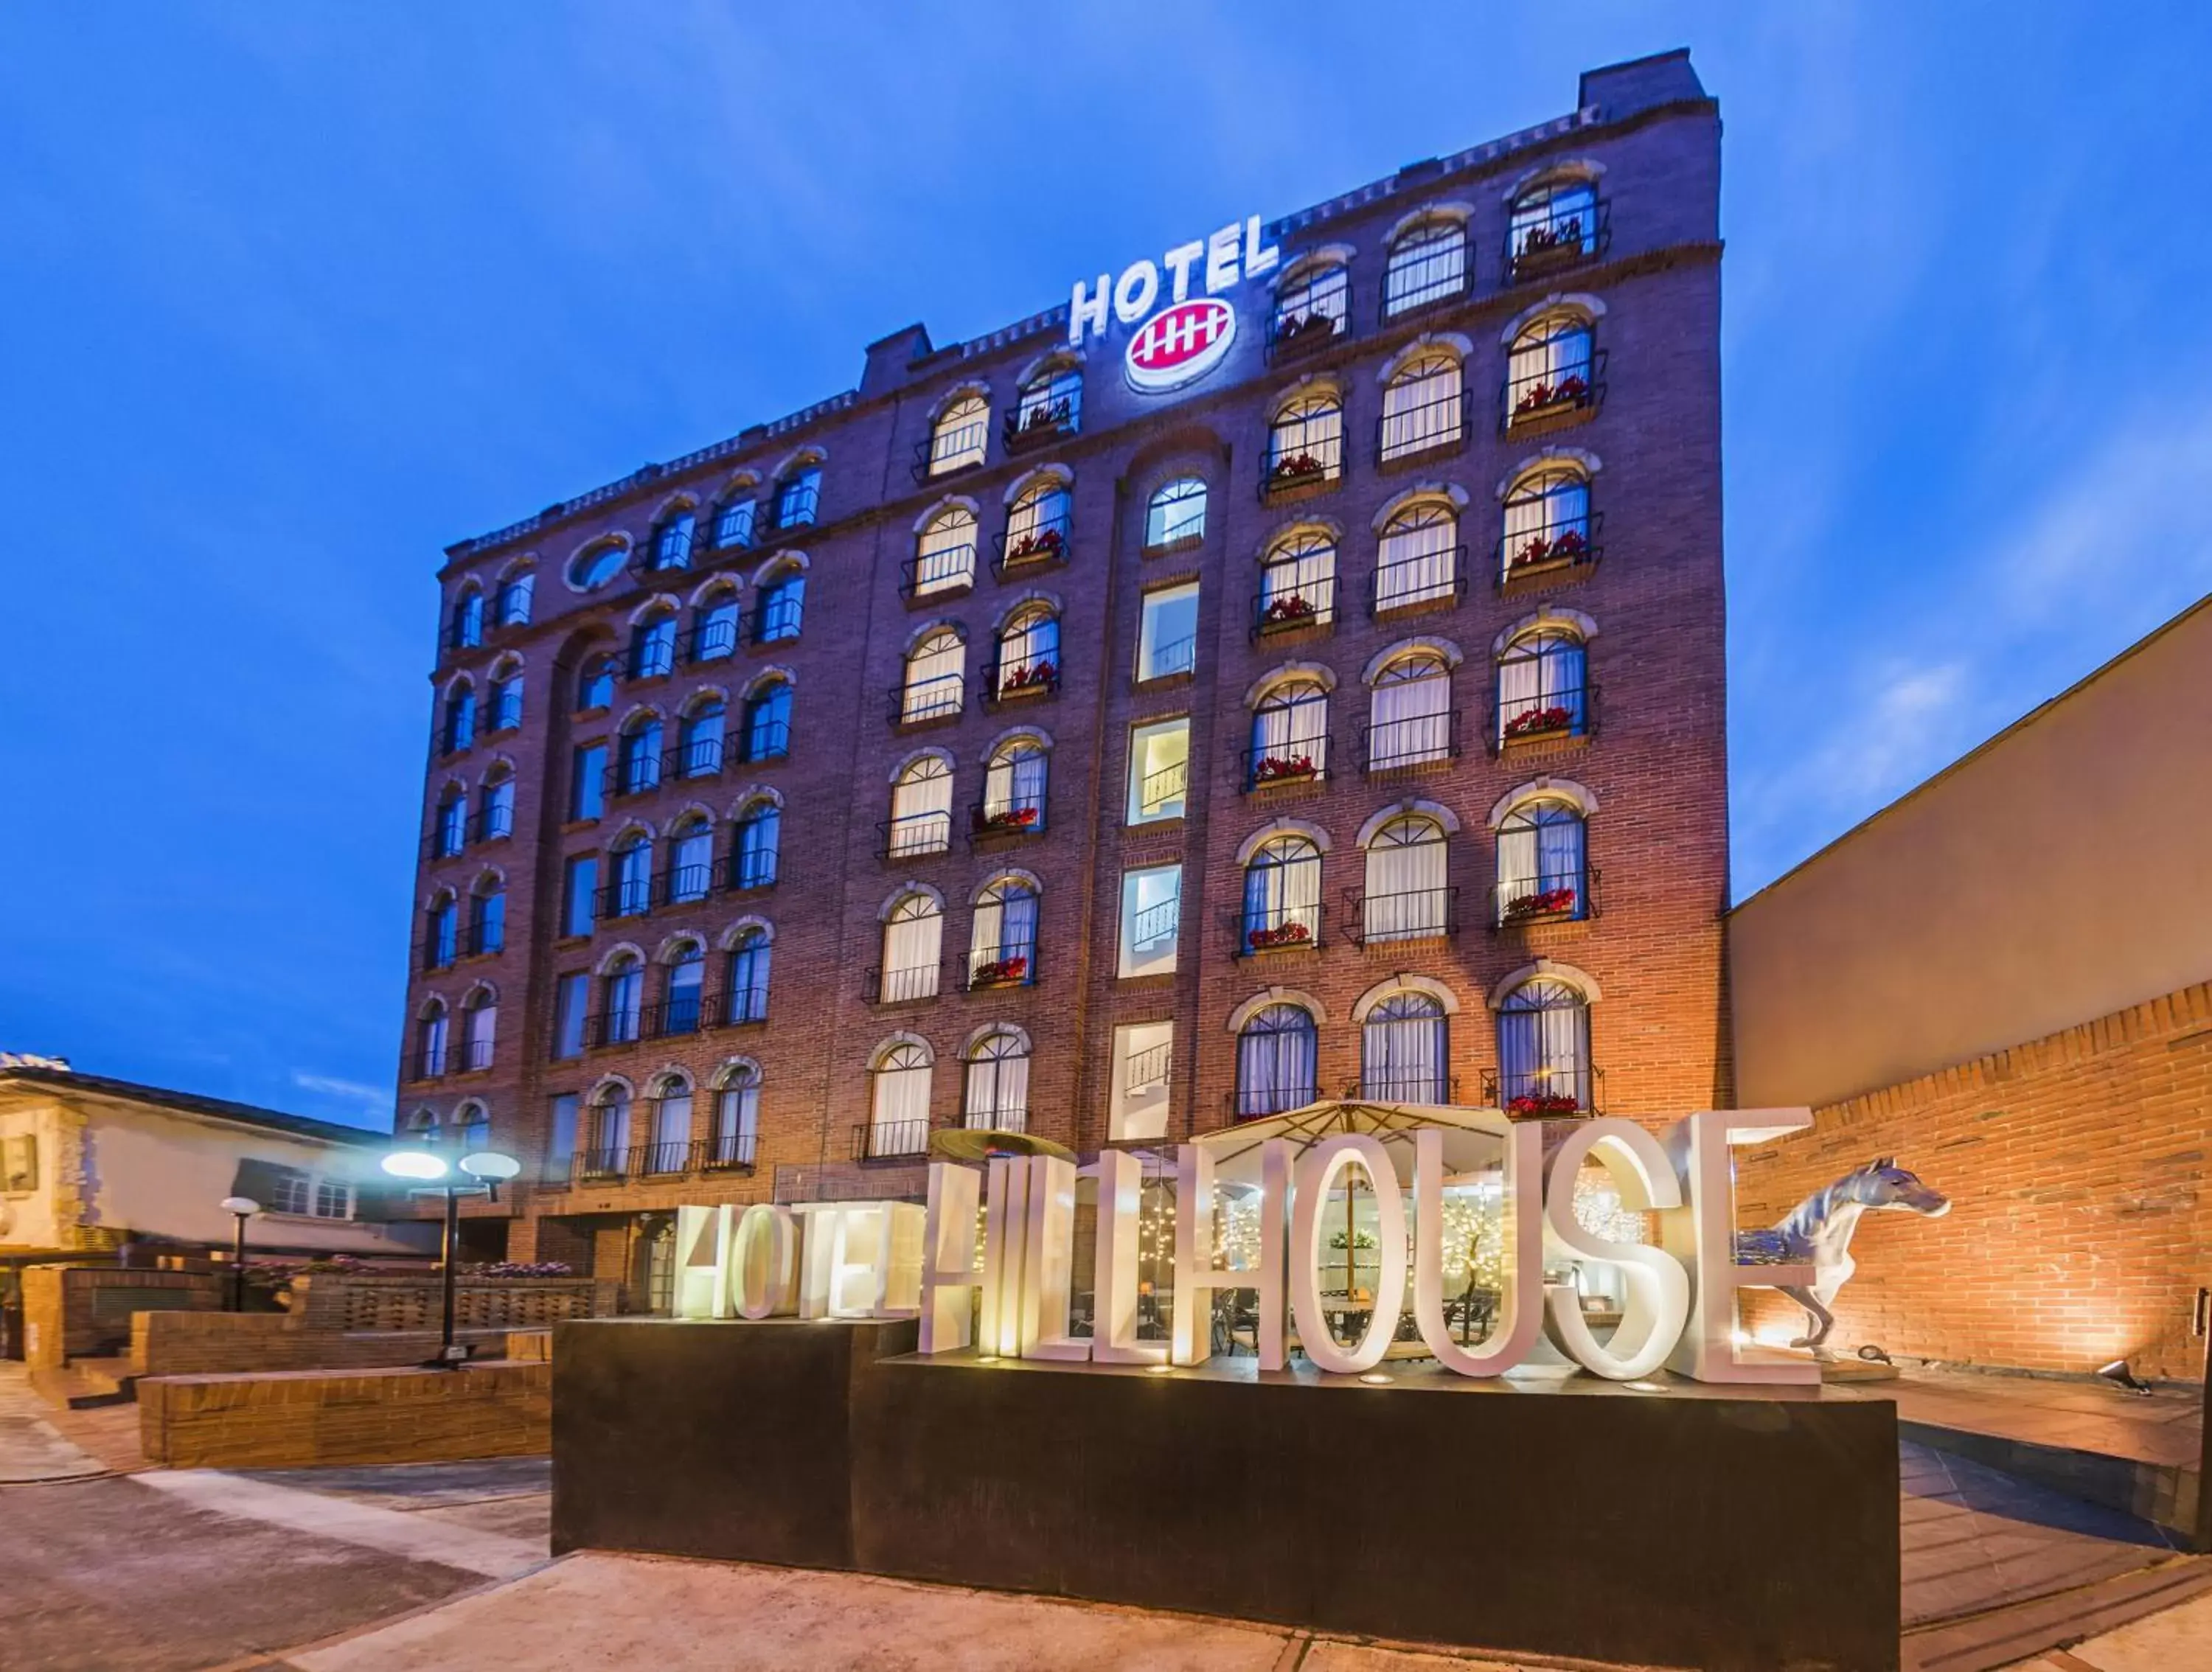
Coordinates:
column 31, row 1447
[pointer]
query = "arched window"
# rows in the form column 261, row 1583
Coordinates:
column 479, row 1031
column 497, row 819
column 460, row 730
column 1290, row 734
column 442, row 934
column 516, row 595
column 1550, row 371
column 592, row 569
column 749, row 956
column 653, row 646
column 957, row 438
column 506, row 696
column 1175, row 514
column 450, row 833
column 641, row 754
column 1406, row 897
column 430, row 1042
column 737, row 1118
column 780, row 607
column 1548, row 528
column 423, row 1127
column 608, row 1152
column 1555, row 225
column 1277, row 1053
column 1543, row 686
column 755, row 846
column 1405, row 1051
column 690, row 860
column 1029, row 653
column 699, row 739
column 913, row 932
column 1306, row 442
column 631, row 892
column 921, row 809
column 1417, row 560
column 621, row 1015
column 1428, row 263
column 1311, row 307
column 945, row 553
column 733, row 521
column 473, row 1127
column 1002, row 947
column 671, row 542
column 715, row 625
column 1039, row 525
column 1282, row 896
column 1014, row 779
column 935, row 686
column 595, row 683
column 1544, row 1050
column 768, row 721
column 898, row 1099
column 998, row 1090
column 468, row 619
column 1051, row 404
column 1542, row 864
column 1424, row 406
column 798, row 497
column 488, row 917
column 1409, row 717
column 1297, row 582
column 686, row 987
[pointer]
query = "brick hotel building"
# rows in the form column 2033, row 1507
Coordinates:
column 1012, row 741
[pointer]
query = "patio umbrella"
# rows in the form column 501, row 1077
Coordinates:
column 979, row 1144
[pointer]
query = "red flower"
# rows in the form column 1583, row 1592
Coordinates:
column 1295, row 607
column 1046, row 542
column 1543, row 902
column 1004, row 972
column 1530, row 721
column 1010, row 818
column 1297, row 466
column 1542, row 1103
column 1284, row 934
column 1282, row 766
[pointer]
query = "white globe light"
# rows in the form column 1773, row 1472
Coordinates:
column 490, row 1164
column 240, row 1205
column 415, row 1164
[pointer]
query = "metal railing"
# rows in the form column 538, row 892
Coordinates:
column 1547, row 399
column 1577, row 1089
column 651, row 1162
column 1403, row 1085
column 1425, row 281
column 995, row 820
column 1170, row 660
column 934, row 574
column 487, row 937
column 948, row 451
column 733, row 526
column 1167, row 783
column 914, row 833
column 1423, row 577
column 493, row 822
column 1042, row 543
column 898, row 987
column 613, row 1027
column 1439, row 425
column 653, row 659
column 1276, row 928
column 429, row 1065
column 1570, row 712
column 1148, row 1067
column 1284, row 765
column 729, row 1150
column 1409, row 742
column 1013, row 964
column 777, row 621
column 879, row 1141
column 1412, row 914
column 1312, row 314
column 630, row 896
column 686, row 885
column 701, row 757
column 1156, row 924
column 1291, row 607
column 1033, row 423
column 748, row 871
column 1286, row 467
column 941, row 696
column 1564, row 896
column 712, row 641
column 770, row 741
column 634, row 775
column 1015, row 1119
column 736, row 1008
column 1257, row 1104
column 1550, row 549
column 1561, row 238
column 672, row 1017
column 798, row 505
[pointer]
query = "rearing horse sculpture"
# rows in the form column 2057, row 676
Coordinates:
column 1818, row 1230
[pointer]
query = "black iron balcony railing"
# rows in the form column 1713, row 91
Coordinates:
column 1147, row 1068
column 947, row 452
column 1034, row 422
column 1289, row 601
column 1562, row 897
column 686, row 885
column 938, row 573
column 694, row 757
column 672, row 1017
column 1439, row 274
column 627, row 896
column 671, row 548
column 1411, row 913
column 1437, row 425
column 637, row 774
column 1542, row 716
column 1287, row 765
column 1408, row 743
column 727, row 1151
column 765, row 740
column 1013, row 682
column 1417, row 578
column 912, row 835
column 749, row 869
column 442, row 951
column 795, row 505
column 487, row 936
column 884, row 1140
column 495, row 821
column 1174, row 659
column 1531, row 402
column 1011, row 965
column 916, row 702
column 505, row 713
column 614, row 1027
column 1000, row 1118
column 715, row 640
column 1295, row 464
column 1310, row 316
column 898, row 987
column 1001, row 819
column 736, row 1008
column 1403, row 1085
column 733, row 526
column 1278, row 928
column 653, row 659
column 1256, row 1103
column 1155, row 926
column 1042, row 544
column 430, row 1064
column 1550, row 552
column 1569, row 1089
column 1556, row 237
column 447, row 840
column 655, row 1163
column 776, row 620
column 477, row 1055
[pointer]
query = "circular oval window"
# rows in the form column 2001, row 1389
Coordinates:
column 595, row 567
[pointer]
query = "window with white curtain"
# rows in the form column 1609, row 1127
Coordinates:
column 1297, row 581
column 672, row 1126
column 998, row 1090
column 1029, row 652
column 913, row 945
column 1312, row 306
column 609, row 1152
column 899, row 1100
column 945, row 552
column 1290, row 733
column 1409, row 719
column 736, row 1119
column 1039, row 522
column 1282, row 895
column 757, row 846
column 750, row 959
column 1405, row 896
column 957, row 439
column 1547, row 522
column 1542, row 689
column 1405, row 1051
column 933, row 687
column 1014, row 786
column 1417, row 561
column 1306, row 441
column 921, row 809
column 1003, row 940
column 624, row 999
column 1542, row 872
column 1422, row 408
column 1544, row 1050
column 1548, row 366
column 1428, row 262
column 690, row 860
column 1552, row 224
column 1278, row 1059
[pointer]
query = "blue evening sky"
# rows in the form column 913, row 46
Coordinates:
column 293, row 295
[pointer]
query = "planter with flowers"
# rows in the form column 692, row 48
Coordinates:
column 1008, row 821
column 1296, row 469
column 1538, row 555
column 1544, row 722
column 1543, row 1103
column 1030, row 679
column 1549, row 249
column 1540, row 906
column 1282, row 614
column 1038, row 545
column 1043, row 421
column 1002, row 972
column 1542, row 400
column 1282, row 769
column 1303, row 330
column 1281, row 935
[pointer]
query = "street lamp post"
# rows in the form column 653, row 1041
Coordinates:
column 244, row 1208
column 486, row 1170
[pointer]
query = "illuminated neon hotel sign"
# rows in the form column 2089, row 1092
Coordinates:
column 1190, row 336
column 1010, row 1296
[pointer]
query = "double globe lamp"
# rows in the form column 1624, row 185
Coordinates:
column 482, row 1171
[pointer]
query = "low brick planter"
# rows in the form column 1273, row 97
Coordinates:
column 235, row 1343
column 303, row 1419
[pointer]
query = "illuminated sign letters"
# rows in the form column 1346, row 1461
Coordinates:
column 1193, row 335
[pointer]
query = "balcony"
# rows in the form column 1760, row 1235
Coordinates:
column 1421, row 579
column 1257, row 1104
column 653, row 659
column 493, row 822
column 702, row 757
column 1044, row 545
column 430, row 1064
column 1297, row 763
column 766, row 741
column 606, row 1028
column 948, row 451
column 1317, row 317
column 888, row 1140
column 913, row 835
column 477, row 1055
column 991, row 968
column 1526, row 903
column 1290, row 602
column 776, row 621
column 714, row 641
column 900, row 986
column 486, row 937
column 1006, row 820
column 920, row 701
column 671, row 1019
column 1403, row 1085
column 1408, row 744
column 1412, row 914
column 1292, row 471
column 1536, row 403
column 796, row 505
column 686, row 885
column 630, row 896
column 1557, row 239
column 636, row 775
column 947, row 572
column 1020, row 682
column 1572, row 1089
column 650, row 1163
column 1550, row 553
column 739, row 1007
column 1038, row 424
column 1263, row 931
column 750, row 871
column 1429, row 429
column 1541, row 718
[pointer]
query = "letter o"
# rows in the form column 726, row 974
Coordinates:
column 764, row 1261
column 1316, row 1170
column 1135, row 291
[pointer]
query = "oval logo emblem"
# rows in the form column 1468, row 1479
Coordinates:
column 1180, row 343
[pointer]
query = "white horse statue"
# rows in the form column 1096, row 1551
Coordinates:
column 1819, row 1231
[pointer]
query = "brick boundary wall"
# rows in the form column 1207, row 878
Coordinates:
column 310, row 1417
column 205, row 1343
column 63, row 1321
column 2081, row 1229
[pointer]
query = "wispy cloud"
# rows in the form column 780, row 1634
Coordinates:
column 374, row 1101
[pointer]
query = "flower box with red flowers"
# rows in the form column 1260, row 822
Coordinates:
column 1297, row 467
column 1539, row 722
column 1541, row 399
column 1544, row 902
column 1295, row 610
column 1002, row 972
column 1283, row 934
column 1546, row 249
column 1050, row 416
column 1038, row 545
column 1282, row 769
column 1303, row 328
column 1024, row 681
column 1569, row 547
column 1007, row 820
column 1543, row 1103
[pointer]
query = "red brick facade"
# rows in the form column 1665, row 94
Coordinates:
column 1654, row 764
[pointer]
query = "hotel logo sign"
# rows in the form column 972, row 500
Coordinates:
column 1180, row 345
column 1191, row 335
